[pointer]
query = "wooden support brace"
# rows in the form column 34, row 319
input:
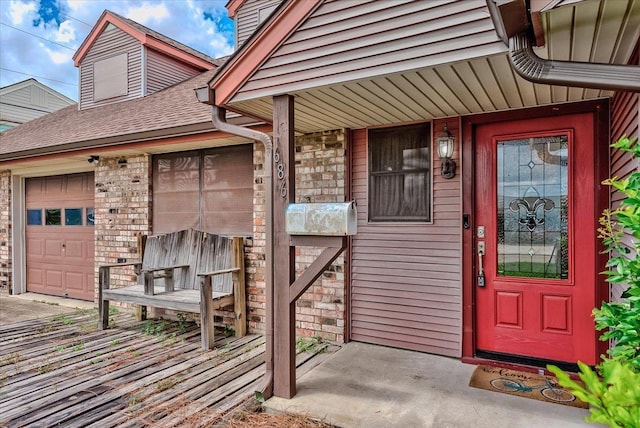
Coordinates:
column 239, row 299
column 168, row 280
column 103, row 305
column 314, row 271
column 206, row 313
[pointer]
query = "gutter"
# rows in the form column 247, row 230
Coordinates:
column 115, row 140
column 512, row 21
column 219, row 118
column 570, row 73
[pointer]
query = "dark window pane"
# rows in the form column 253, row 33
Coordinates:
column 399, row 174
column 34, row 217
column 73, row 216
column 91, row 220
column 52, row 217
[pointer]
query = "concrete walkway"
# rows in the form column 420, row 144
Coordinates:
column 29, row 306
column 372, row 386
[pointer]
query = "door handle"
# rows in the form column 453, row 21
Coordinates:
column 481, row 251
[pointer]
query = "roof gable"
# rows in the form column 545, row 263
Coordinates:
column 146, row 37
column 233, row 6
column 319, row 43
column 260, row 46
column 33, row 82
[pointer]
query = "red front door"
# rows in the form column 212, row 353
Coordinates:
column 536, row 218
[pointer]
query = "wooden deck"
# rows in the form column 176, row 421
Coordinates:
column 63, row 371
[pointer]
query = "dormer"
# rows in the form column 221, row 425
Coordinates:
column 121, row 60
column 248, row 15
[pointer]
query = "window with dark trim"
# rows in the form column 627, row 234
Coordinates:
column 399, row 174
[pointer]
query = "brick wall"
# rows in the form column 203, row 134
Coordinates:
column 122, row 212
column 320, row 177
column 5, row 231
column 255, row 265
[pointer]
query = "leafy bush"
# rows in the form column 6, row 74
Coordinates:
column 614, row 399
column 613, row 391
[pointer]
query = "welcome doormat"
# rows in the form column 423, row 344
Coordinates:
column 529, row 385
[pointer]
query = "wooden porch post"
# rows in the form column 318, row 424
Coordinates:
column 284, row 334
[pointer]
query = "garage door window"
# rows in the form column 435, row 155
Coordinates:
column 90, row 216
column 53, row 217
column 210, row 190
column 34, row 217
column 73, row 216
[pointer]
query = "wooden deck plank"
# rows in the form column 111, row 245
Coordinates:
column 123, row 376
column 151, row 398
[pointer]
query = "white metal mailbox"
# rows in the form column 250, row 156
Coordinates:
column 324, row 219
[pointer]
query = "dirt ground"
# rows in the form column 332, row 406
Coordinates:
column 15, row 309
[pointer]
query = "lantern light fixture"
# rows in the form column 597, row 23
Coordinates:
column 446, row 146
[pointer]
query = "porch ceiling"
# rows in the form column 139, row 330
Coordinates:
column 595, row 31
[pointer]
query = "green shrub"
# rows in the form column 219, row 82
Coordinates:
column 614, row 398
column 613, row 390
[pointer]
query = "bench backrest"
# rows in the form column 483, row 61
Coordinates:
column 203, row 252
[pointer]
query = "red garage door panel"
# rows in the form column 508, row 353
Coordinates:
column 59, row 235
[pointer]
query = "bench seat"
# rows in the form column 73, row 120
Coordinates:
column 185, row 271
column 177, row 300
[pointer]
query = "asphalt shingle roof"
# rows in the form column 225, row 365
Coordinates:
column 175, row 106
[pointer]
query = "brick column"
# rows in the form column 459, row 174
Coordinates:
column 122, row 212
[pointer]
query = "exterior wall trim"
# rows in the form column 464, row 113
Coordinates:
column 258, row 49
column 18, row 256
column 600, row 108
column 233, row 6
column 146, row 40
column 145, row 139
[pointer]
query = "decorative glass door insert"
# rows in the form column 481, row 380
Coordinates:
column 532, row 207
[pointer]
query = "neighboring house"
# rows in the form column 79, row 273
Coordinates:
column 373, row 87
column 499, row 261
column 27, row 100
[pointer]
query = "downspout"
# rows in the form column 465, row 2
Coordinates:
column 570, row 73
column 219, row 119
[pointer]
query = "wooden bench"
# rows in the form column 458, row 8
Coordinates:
column 185, row 271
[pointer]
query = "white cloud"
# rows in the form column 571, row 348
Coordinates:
column 18, row 10
column 146, row 13
column 25, row 55
column 66, row 32
column 59, row 57
column 220, row 46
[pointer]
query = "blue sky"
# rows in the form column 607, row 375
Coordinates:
column 39, row 37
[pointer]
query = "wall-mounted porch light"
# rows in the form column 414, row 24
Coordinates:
column 445, row 152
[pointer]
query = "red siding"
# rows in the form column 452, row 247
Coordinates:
column 405, row 287
column 625, row 121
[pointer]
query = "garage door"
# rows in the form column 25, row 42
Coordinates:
column 59, row 235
